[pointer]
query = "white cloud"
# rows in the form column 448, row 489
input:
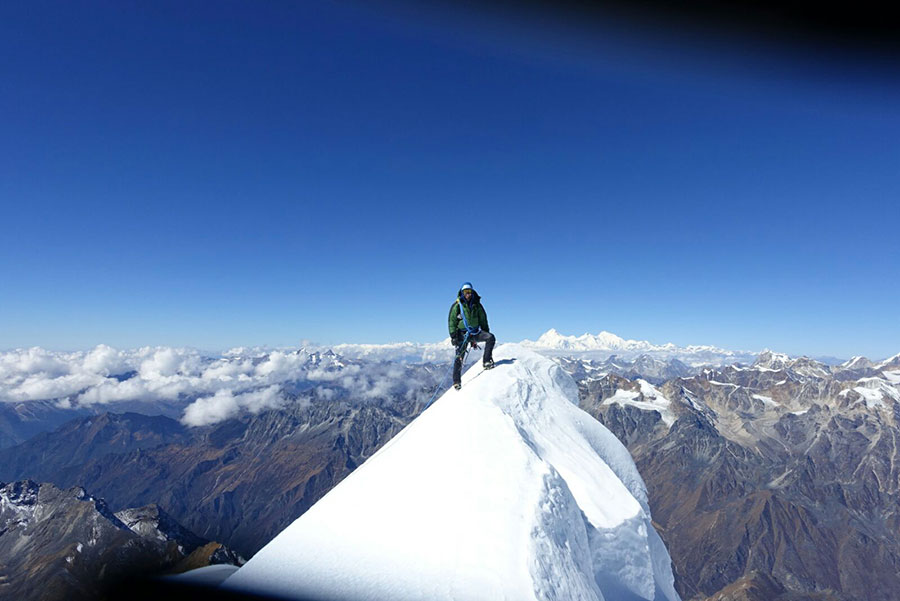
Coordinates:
column 93, row 376
column 24, row 362
column 224, row 404
column 106, row 361
column 38, row 387
column 241, row 369
column 260, row 400
column 212, row 388
column 167, row 362
column 209, row 410
column 110, row 391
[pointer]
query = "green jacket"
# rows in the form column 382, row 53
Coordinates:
column 475, row 314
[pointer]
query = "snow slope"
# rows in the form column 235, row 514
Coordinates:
column 652, row 400
column 503, row 490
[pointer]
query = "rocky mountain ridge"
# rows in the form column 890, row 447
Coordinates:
column 272, row 466
column 67, row 544
column 786, row 468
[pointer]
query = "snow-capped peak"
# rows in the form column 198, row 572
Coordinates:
column 602, row 345
column 890, row 362
column 772, row 360
column 502, row 490
column 604, row 341
column 858, row 362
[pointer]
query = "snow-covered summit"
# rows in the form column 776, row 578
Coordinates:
column 605, row 344
column 857, row 362
column 604, row 341
column 503, row 490
column 890, row 362
column 771, row 360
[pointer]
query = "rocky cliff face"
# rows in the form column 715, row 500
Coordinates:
column 241, row 481
column 79, row 441
column 786, row 469
column 651, row 369
column 66, row 544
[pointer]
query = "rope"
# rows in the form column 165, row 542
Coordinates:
column 462, row 314
column 465, row 351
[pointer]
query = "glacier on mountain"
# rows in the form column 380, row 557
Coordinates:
column 502, row 490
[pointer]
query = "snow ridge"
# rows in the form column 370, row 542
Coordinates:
column 503, row 490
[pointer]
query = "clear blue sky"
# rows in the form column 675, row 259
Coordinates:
column 241, row 173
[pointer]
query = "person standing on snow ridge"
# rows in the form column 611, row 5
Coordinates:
column 467, row 312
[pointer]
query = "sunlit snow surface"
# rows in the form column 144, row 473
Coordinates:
column 503, row 490
column 653, row 400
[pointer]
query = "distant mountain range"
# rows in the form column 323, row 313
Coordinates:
column 778, row 480
column 599, row 346
column 40, row 389
column 771, row 479
column 273, row 465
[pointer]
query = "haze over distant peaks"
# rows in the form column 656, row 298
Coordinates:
column 604, row 344
column 604, row 341
column 552, row 342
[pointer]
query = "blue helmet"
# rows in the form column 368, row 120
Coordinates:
column 466, row 286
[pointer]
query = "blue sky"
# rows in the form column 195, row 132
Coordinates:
column 244, row 173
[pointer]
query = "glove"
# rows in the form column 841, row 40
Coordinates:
column 455, row 338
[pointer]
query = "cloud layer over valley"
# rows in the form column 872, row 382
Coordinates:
column 212, row 388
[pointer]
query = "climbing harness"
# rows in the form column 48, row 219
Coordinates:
column 462, row 312
column 461, row 352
